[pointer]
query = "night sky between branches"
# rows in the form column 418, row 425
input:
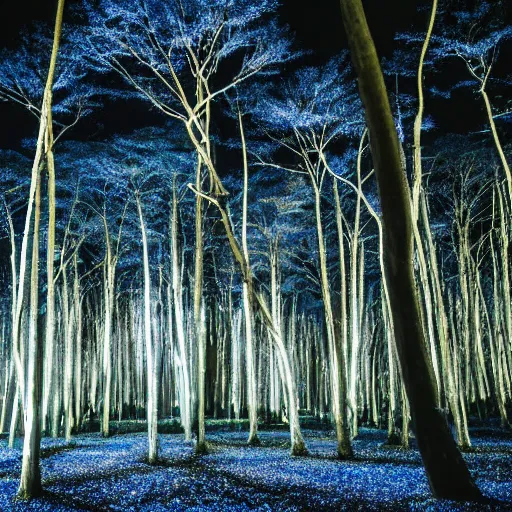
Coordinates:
column 318, row 30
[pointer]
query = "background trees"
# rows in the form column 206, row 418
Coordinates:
column 226, row 260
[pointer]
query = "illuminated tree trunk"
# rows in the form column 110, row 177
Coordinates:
column 30, row 480
column 182, row 357
column 199, row 313
column 77, row 305
column 50, row 295
column 14, row 417
column 151, row 360
column 281, row 400
column 337, row 379
column 108, row 287
column 11, row 395
column 8, row 395
column 57, row 385
column 446, row 470
column 418, row 177
column 67, row 320
column 354, row 307
column 235, row 364
column 298, row 446
column 252, row 402
column 109, row 279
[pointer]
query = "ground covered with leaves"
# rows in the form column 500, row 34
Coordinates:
column 93, row 473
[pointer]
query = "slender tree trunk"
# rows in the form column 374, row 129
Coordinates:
column 152, row 381
column 30, row 480
column 77, row 305
column 418, row 178
column 184, row 395
column 355, row 333
column 337, row 378
column 252, row 406
column 50, row 294
column 107, row 341
column 199, row 330
column 68, row 356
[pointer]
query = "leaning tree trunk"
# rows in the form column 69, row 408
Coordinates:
column 298, row 445
column 446, row 470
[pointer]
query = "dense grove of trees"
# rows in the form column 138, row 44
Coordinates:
column 228, row 261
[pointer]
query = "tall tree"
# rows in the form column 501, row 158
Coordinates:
column 447, row 472
column 30, row 481
column 316, row 110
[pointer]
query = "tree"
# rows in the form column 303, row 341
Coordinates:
column 248, row 313
column 170, row 56
column 152, row 358
column 22, row 83
column 30, row 481
column 305, row 122
column 446, row 470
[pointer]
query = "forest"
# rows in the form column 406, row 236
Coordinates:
column 256, row 255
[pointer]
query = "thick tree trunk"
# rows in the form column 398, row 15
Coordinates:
column 446, row 470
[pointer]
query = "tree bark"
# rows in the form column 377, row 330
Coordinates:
column 151, row 361
column 30, row 481
column 252, row 407
column 446, row 470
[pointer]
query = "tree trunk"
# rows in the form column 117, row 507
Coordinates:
column 30, row 481
column 184, row 387
column 337, row 377
column 252, row 406
column 152, row 384
column 446, row 470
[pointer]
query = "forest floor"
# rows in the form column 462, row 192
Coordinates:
column 93, row 473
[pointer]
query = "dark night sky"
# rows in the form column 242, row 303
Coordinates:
column 317, row 25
